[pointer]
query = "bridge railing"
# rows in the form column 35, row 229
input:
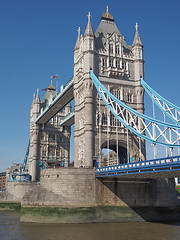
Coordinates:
column 138, row 166
column 67, row 117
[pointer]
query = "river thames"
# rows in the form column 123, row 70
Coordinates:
column 12, row 229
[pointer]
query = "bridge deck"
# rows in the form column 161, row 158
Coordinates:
column 60, row 101
column 158, row 168
column 68, row 120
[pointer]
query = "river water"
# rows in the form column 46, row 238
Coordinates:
column 12, row 229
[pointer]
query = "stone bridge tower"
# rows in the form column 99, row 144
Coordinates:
column 49, row 143
column 119, row 67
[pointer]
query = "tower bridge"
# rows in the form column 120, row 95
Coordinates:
column 108, row 90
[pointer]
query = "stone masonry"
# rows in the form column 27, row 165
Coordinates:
column 119, row 68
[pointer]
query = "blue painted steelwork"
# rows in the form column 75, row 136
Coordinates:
column 113, row 100
column 22, row 176
column 56, row 104
column 157, row 165
column 25, row 159
column 41, row 166
column 11, row 178
column 157, row 98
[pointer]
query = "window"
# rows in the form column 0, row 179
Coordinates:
column 117, row 63
column 117, row 93
column 111, row 62
column 43, row 136
column 104, row 62
column 111, row 48
column 51, row 151
column 104, row 119
column 117, row 49
column 130, row 97
column 113, row 120
column 51, row 137
column 44, row 153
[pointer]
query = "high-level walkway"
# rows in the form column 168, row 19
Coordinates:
column 57, row 104
column 68, row 120
column 157, row 168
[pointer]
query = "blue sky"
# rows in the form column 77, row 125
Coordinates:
column 37, row 38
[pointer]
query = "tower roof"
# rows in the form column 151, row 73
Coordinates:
column 51, row 87
column 51, row 92
column 107, row 26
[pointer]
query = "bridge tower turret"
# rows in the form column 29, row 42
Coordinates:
column 34, row 149
column 84, row 95
column 137, row 49
column 119, row 67
column 49, row 142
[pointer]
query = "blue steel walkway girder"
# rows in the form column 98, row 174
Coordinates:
column 60, row 101
column 168, row 108
column 141, row 125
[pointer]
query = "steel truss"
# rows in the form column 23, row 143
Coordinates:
column 141, row 125
column 168, row 108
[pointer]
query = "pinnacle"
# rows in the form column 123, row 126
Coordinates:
column 37, row 96
column 137, row 40
column 89, row 30
column 78, row 39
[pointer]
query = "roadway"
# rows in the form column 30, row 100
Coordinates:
column 158, row 168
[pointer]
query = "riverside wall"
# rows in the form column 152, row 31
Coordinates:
column 74, row 195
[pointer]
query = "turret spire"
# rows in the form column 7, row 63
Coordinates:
column 137, row 40
column 37, row 96
column 78, row 39
column 79, row 31
column 89, row 16
column 89, row 30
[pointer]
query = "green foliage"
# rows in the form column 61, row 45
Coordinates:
column 36, row 211
column 10, row 206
